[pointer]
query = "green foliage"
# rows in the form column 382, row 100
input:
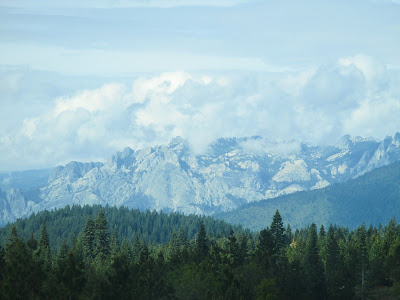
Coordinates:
column 101, row 235
column 202, row 247
column 313, row 267
column 267, row 290
column 154, row 227
column 338, row 264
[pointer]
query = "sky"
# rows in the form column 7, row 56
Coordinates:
column 81, row 80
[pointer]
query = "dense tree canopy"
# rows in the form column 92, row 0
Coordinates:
column 272, row 264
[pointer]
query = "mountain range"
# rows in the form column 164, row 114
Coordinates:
column 372, row 199
column 231, row 173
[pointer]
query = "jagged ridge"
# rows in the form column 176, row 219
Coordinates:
column 233, row 172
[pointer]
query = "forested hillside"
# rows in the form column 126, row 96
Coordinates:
column 275, row 263
column 371, row 199
column 153, row 227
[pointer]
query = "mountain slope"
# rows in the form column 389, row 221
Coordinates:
column 154, row 227
column 372, row 199
column 233, row 172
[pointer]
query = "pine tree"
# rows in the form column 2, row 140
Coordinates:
column 233, row 250
column 88, row 241
column 288, row 235
column 278, row 233
column 243, row 248
column 120, row 277
column 20, row 280
column 278, row 243
column 32, row 243
column 70, row 274
column 146, row 265
column 43, row 267
column 182, row 238
column 313, row 266
column 202, row 246
column 62, row 255
column 363, row 259
column 126, row 250
column 173, row 244
column 264, row 250
column 333, row 267
column 322, row 232
column 102, row 236
column 114, row 247
column 43, row 251
column 136, row 248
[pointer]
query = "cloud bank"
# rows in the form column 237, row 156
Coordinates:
column 356, row 95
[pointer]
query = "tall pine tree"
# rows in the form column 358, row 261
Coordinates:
column 202, row 246
column 278, row 234
column 102, row 236
column 313, row 266
column 88, row 241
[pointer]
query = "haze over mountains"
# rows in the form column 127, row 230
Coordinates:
column 233, row 172
column 373, row 199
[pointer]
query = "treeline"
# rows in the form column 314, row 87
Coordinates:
column 275, row 263
column 152, row 226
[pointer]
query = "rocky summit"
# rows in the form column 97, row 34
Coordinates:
column 233, row 171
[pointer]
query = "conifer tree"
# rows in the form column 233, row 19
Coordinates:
column 313, row 266
column 174, row 249
column 70, row 274
column 278, row 233
column 102, row 236
column 321, row 233
column 126, row 250
column 233, row 250
column 363, row 259
column 88, row 240
column 62, row 255
column 43, row 268
column 44, row 247
column 32, row 243
column 264, row 250
column 333, row 267
column 202, row 242
column 19, row 281
column 288, row 235
column 136, row 248
column 182, row 238
column 243, row 248
column 114, row 247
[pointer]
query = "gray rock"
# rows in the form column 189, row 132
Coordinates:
column 233, row 172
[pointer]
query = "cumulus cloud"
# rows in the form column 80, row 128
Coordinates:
column 263, row 145
column 355, row 95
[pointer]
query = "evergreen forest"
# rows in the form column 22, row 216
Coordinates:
column 109, row 253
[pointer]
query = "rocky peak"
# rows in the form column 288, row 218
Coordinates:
column 73, row 170
column 125, row 158
column 171, row 178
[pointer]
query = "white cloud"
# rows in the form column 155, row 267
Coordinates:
column 355, row 95
column 371, row 69
column 263, row 145
column 108, row 96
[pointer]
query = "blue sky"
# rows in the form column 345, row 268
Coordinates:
column 80, row 80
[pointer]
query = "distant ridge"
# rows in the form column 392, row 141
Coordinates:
column 233, row 172
column 371, row 199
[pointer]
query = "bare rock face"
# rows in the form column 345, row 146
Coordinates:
column 233, row 172
column 13, row 205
